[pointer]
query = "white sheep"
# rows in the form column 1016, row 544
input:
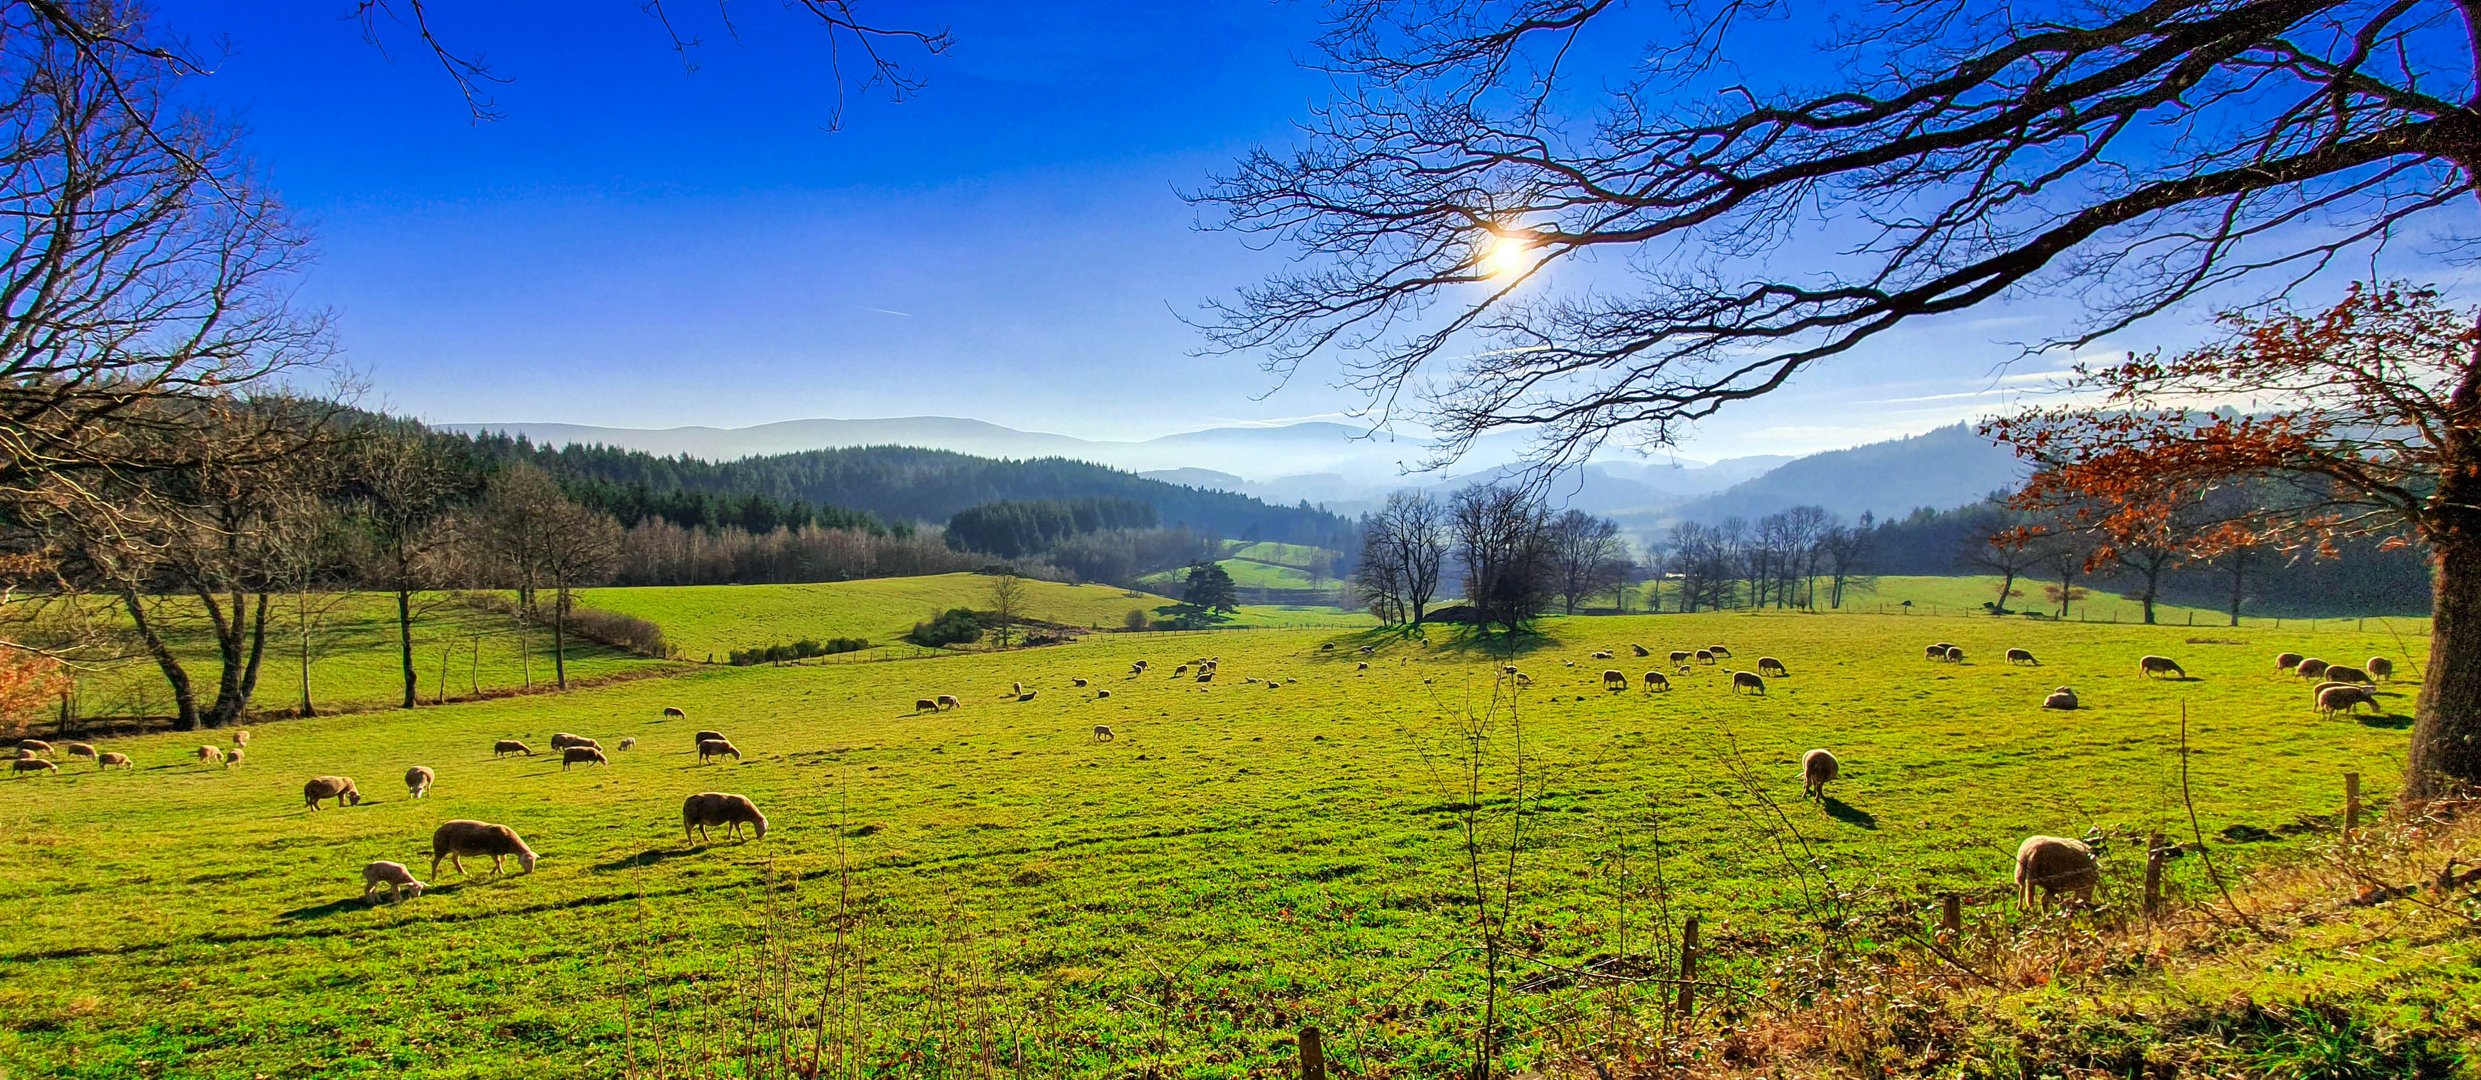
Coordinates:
column 36, row 745
column 2055, row 864
column 1362, row 666
column 1719, row 651
column 2022, row 656
column 505, row 747
column 674, row 712
column 232, row 757
column 561, row 740
column 1101, row 694
column 241, row 737
column 1026, row 696
column 109, row 758
column 323, row 788
column 1955, row 654
column 1601, row 654
column 2381, row 667
column 1639, row 650
column 1102, row 733
column 2340, row 673
column 2061, row 698
column 2287, row 661
column 588, row 754
column 1771, row 666
column 1655, row 680
column 719, row 808
column 1934, row 652
column 2159, row 665
column 418, row 781
column 465, row 836
column 2311, row 668
column 1614, row 679
column 210, row 755
column 391, row 875
column 2343, row 697
column 78, row 749
column 33, row 764
column 1817, row 769
column 629, row 743
column 948, row 701
column 1078, row 683
column 1750, row 681
column 714, row 748
column 923, row 705
column 706, row 735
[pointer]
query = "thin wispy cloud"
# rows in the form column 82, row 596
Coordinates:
column 894, row 312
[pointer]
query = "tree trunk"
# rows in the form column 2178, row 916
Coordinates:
column 560, row 638
column 404, row 640
column 2445, row 756
column 301, row 610
column 2239, row 574
column 241, row 642
column 184, row 696
column 2007, row 584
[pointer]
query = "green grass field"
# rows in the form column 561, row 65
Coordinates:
column 1237, row 861
column 1261, row 564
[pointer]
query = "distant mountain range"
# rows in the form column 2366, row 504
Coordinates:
column 1345, row 469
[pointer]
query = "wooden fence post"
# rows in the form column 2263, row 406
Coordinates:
column 2154, row 859
column 2351, row 802
column 1313, row 1055
column 1688, row 970
column 1951, row 913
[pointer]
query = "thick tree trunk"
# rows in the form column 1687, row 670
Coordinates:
column 2007, row 584
column 184, row 695
column 2445, row 756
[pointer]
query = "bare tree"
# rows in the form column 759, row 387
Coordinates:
column 1997, row 544
column 580, row 547
column 1502, row 538
column 402, row 489
column 1007, row 592
column 1588, row 557
column 2126, row 155
column 1403, row 557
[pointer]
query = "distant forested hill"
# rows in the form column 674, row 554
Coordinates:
column 900, row 484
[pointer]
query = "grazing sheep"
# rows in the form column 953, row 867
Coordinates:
column 2287, row 661
column 2343, row 697
column 1138, row 668
column 717, row 808
column 2340, row 673
column 505, row 747
column 706, row 735
column 36, row 745
column 1614, row 679
column 1771, row 666
column 77, row 749
column 1180, row 671
column 1101, row 694
column 1934, row 652
column 2061, row 698
column 1748, row 680
column 1705, row 656
column 2022, row 656
column 1655, row 680
column 2382, row 667
column 322, row 788
column 232, row 757
column 674, row 711
column 2312, row 668
column 1362, row 666
column 1639, row 650
column 1026, row 696
column 1326, row 646
column 1507, row 669
column 629, row 743
column 418, row 781
column 109, row 758
column 561, row 740
column 1078, row 683
column 1817, row 769
column 923, row 705
column 1102, row 733
column 25, row 753
column 588, row 754
column 1369, row 650
column 241, row 738
column 2055, row 864
column 1955, row 654
column 2158, row 665
column 465, row 836
column 393, row 875
column 948, row 701
column 33, row 764
column 1719, row 651
column 1681, row 656
column 1205, row 676
column 210, row 755
column 708, row 748
column 1601, row 654
column 1523, row 679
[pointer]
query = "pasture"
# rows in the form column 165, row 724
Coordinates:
column 992, row 881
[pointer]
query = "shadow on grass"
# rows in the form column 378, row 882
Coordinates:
column 648, row 857
column 1471, row 641
column 2392, row 721
column 1849, row 814
column 321, row 911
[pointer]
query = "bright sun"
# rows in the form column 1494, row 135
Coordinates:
column 1508, row 255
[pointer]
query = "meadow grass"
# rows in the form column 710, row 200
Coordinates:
column 1237, row 861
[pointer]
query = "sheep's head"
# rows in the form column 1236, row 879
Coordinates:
column 353, row 797
column 417, row 888
column 761, row 825
column 526, row 859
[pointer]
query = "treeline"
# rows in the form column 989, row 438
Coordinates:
column 1803, row 557
column 659, row 552
column 1513, row 558
column 1021, row 527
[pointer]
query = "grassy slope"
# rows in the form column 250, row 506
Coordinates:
column 1237, row 861
column 357, row 665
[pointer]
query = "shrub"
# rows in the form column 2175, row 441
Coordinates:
column 1137, row 619
column 956, row 626
column 626, row 632
column 799, row 650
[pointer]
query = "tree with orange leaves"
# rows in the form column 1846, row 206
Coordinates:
column 2363, row 420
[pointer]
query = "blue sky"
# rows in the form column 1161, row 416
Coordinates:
column 636, row 244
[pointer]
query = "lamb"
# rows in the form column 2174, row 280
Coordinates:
column 1955, row 654
column 673, row 712
column 418, row 780
column 1639, row 650
column 2343, row 697
column 706, row 735
column 108, row 758
column 2312, row 668
column 718, row 808
column 948, row 701
column 36, row 745
column 2022, row 656
column 505, row 747
column 241, row 738
column 2340, row 673
column 629, row 743
column 2382, row 667
column 1614, row 679
column 33, row 764
column 1771, row 665
column 232, row 757
column 711, row 748
column 588, row 754
column 394, row 875
column 1102, row 733
column 2055, row 864
column 561, row 740
column 77, row 749
column 1655, row 680
column 2287, row 661
column 2061, row 698
column 465, row 836
column 2158, row 665
column 923, row 705
column 322, row 788
column 210, row 755
column 1817, row 769
column 1749, row 680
